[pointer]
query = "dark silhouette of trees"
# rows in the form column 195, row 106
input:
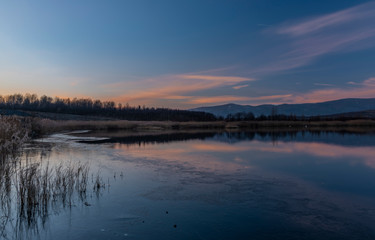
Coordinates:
column 241, row 116
column 88, row 106
column 94, row 107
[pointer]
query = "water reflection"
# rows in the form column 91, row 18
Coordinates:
column 212, row 150
column 32, row 189
column 347, row 138
column 219, row 185
column 313, row 183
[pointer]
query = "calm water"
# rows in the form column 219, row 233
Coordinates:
column 217, row 186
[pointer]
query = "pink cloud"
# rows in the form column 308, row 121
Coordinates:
column 226, row 99
column 369, row 82
column 222, row 79
column 365, row 89
column 218, row 99
column 240, row 86
column 179, row 87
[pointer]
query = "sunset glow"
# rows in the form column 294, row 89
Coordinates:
column 187, row 56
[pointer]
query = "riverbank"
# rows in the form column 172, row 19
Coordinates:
column 46, row 126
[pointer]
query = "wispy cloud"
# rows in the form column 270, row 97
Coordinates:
column 364, row 89
column 370, row 82
column 218, row 79
column 239, row 99
column 357, row 13
column 218, row 99
column 240, row 86
column 180, row 87
column 352, row 83
column 181, row 90
column 324, row 84
column 346, row 30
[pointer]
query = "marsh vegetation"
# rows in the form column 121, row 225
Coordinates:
column 30, row 189
column 47, row 126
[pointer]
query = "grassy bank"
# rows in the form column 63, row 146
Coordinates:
column 46, row 126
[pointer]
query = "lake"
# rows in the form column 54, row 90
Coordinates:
column 213, row 185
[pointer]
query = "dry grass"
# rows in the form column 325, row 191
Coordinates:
column 49, row 126
column 14, row 131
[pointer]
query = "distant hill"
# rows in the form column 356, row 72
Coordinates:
column 347, row 105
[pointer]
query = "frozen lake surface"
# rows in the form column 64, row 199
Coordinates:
column 208, row 185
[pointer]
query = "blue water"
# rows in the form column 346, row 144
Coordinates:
column 218, row 186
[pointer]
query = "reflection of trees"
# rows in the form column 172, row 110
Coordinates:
column 338, row 137
column 156, row 138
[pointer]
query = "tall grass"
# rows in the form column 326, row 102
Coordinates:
column 38, row 187
column 29, row 190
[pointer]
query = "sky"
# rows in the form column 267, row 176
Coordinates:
column 189, row 53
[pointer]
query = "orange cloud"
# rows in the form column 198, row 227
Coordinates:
column 176, row 97
column 218, row 99
column 181, row 89
column 227, row 79
column 240, row 86
column 271, row 97
column 226, row 99
column 178, row 87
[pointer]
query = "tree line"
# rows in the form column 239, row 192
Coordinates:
column 248, row 116
column 95, row 107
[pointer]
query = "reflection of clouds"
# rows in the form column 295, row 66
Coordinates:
column 220, row 156
column 218, row 147
column 200, row 155
column 366, row 155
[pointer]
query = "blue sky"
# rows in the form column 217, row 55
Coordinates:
column 184, row 54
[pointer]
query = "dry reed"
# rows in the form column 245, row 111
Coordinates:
column 28, row 190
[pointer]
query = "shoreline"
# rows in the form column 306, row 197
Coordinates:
column 46, row 126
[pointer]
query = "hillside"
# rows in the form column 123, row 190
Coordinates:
column 306, row 109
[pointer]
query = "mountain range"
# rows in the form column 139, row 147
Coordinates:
column 340, row 106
